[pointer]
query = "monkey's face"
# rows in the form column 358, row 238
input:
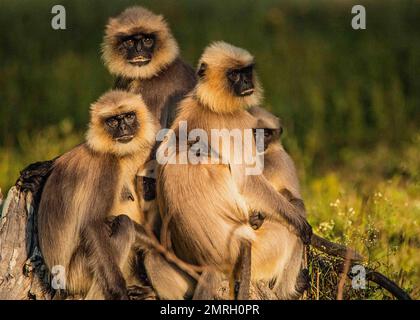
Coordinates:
column 227, row 81
column 123, row 127
column 241, row 80
column 270, row 135
column 138, row 48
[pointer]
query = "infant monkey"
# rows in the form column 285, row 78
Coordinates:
column 280, row 171
column 279, row 168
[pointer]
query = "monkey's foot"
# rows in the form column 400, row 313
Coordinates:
column 141, row 293
column 33, row 177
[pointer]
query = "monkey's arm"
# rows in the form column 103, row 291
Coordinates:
column 297, row 202
column 262, row 197
column 103, row 261
column 256, row 219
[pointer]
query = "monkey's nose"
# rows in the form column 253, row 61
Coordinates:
column 123, row 129
column 138, row 47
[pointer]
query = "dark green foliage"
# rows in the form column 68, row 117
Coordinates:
column 335, row 87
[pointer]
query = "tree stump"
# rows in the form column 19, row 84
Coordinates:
column 23, row 274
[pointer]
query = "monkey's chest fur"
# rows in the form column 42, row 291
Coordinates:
column 205, row 199
column 127, row 199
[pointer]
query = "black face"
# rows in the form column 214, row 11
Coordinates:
column 138, row 48
column 270, row 135
column 241, row 81
column 122, row 127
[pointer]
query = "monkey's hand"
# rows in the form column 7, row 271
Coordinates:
column 33, row 177
column 256, row 219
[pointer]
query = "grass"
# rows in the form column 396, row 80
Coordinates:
column 381, row 221
column 348, row 99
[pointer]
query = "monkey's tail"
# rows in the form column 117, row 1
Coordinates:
column 339, row 250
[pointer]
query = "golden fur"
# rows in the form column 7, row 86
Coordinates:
column 117, row 102
column 208, row 205
column 214, row 92
column 86, row 186
column 134, row 20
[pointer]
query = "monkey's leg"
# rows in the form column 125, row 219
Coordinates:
column 123, row 238
column 107, row 252
column 167, row 279
column 209, row 282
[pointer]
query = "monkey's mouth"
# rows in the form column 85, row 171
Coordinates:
column 125, row 139
column 247, row 92
column 139, row 61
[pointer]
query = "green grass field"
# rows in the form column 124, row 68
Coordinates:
column 349, row 101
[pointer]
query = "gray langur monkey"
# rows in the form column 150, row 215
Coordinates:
column 89, row 209
column 141, row 51
column 280, row 171
column 208, row 205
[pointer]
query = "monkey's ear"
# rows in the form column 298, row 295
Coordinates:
column 202, row 70
column 280, row 126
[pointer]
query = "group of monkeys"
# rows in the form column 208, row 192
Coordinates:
column 102, row 200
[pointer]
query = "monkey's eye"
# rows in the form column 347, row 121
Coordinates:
column 234, row 76
column 267, row 133
column 130, row 117
column 148, row 42
column 112, row 122
column 128, row 43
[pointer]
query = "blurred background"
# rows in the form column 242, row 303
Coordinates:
column 349, row 101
